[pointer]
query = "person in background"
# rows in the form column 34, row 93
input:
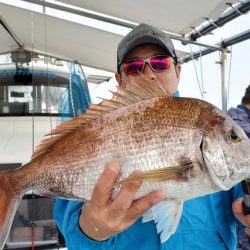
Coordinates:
column 208, row 222
column 241, row 115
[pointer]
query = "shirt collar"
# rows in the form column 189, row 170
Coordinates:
column 244, row 108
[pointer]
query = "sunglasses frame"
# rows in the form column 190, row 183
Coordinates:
column 146, row 60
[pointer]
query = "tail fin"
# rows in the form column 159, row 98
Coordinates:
column 9, row 200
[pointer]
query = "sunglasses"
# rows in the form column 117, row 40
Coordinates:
column 156, row 63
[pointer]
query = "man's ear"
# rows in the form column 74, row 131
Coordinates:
column 118, row 78
column 178, row 71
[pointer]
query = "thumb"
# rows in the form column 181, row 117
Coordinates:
column 237, row 209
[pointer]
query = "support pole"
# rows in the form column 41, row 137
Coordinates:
column 224, row 84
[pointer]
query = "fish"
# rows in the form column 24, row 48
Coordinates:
column 185, row 147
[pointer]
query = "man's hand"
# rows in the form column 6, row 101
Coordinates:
column 102, row 217
column 238, row 213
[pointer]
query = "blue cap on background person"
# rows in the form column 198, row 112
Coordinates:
column 144, row 34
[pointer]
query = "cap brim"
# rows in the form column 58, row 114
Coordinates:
column 142, row 40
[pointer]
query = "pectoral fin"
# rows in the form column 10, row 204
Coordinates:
column 177, row 173
column 166, row 216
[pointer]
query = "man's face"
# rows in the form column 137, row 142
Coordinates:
column 167, row 80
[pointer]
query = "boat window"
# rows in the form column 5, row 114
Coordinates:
column 38, row 93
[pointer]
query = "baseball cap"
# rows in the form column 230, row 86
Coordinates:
column 144, row 34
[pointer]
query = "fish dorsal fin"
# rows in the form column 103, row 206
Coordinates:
column 132, row 93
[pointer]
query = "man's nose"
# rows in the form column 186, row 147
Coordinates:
column 149, row 72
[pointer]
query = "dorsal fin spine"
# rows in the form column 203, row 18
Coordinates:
column 133, row 93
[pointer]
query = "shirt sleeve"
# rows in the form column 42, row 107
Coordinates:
column 236, row 192
column 66, row 214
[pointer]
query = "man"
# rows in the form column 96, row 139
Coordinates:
column 241, row 115
column 146, row 55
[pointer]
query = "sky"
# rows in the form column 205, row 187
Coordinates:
column 237, row 67
column 202, row 75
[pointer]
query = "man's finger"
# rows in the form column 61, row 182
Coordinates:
column 237, row 209
column 125, row 197
column 101, row 195
column 139, row 207
column 246, row 220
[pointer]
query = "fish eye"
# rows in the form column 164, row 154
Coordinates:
column 233, row 136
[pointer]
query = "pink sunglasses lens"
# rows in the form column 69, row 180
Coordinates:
column 133, row 67
column 160, row 63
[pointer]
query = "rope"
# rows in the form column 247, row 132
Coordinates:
column 196, row 30
column 229, row 73
column 47, row 65
column 202, row 83
column 212, row 22
column 198, row 81
column 235, row 9
column 70, row 88
column 33, row 135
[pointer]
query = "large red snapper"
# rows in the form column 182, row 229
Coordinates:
column 185, row 147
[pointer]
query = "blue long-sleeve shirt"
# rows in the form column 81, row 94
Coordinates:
column 206, row 223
